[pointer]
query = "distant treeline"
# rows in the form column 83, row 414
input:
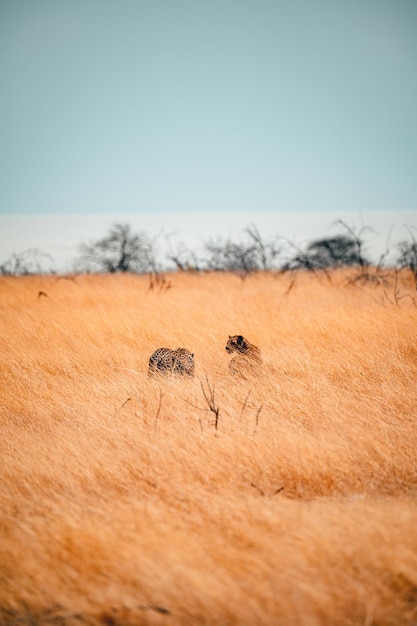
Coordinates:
column 123, row 250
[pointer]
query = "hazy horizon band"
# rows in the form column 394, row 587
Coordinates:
column 60, row 236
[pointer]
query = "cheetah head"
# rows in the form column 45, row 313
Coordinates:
column 237, row 343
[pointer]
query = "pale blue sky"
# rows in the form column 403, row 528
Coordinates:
column 148, row 106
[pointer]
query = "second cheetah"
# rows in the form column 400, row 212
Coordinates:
column 247, row 359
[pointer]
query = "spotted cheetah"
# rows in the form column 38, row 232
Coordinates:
column 165, row 361
column 247, row 359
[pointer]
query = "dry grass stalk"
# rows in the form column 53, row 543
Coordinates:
column 209, row 396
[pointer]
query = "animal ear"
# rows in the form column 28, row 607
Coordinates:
column 239, row 339
column 230, row 336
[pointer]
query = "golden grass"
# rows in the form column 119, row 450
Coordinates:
column 121, row 503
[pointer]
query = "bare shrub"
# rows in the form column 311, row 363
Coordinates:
column 28, row 262
column 252, row 253
column 407, row 258
column 184, row 259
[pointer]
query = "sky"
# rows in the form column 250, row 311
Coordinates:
column 220, row 110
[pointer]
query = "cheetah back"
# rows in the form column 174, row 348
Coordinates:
column 161, row 362
column 183, row 362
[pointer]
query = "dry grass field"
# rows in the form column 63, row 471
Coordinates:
column 126, row 500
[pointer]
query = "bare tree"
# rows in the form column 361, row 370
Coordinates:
column 31, row 261
column 121, row 250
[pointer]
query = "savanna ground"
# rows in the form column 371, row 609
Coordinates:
column 126, row 500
